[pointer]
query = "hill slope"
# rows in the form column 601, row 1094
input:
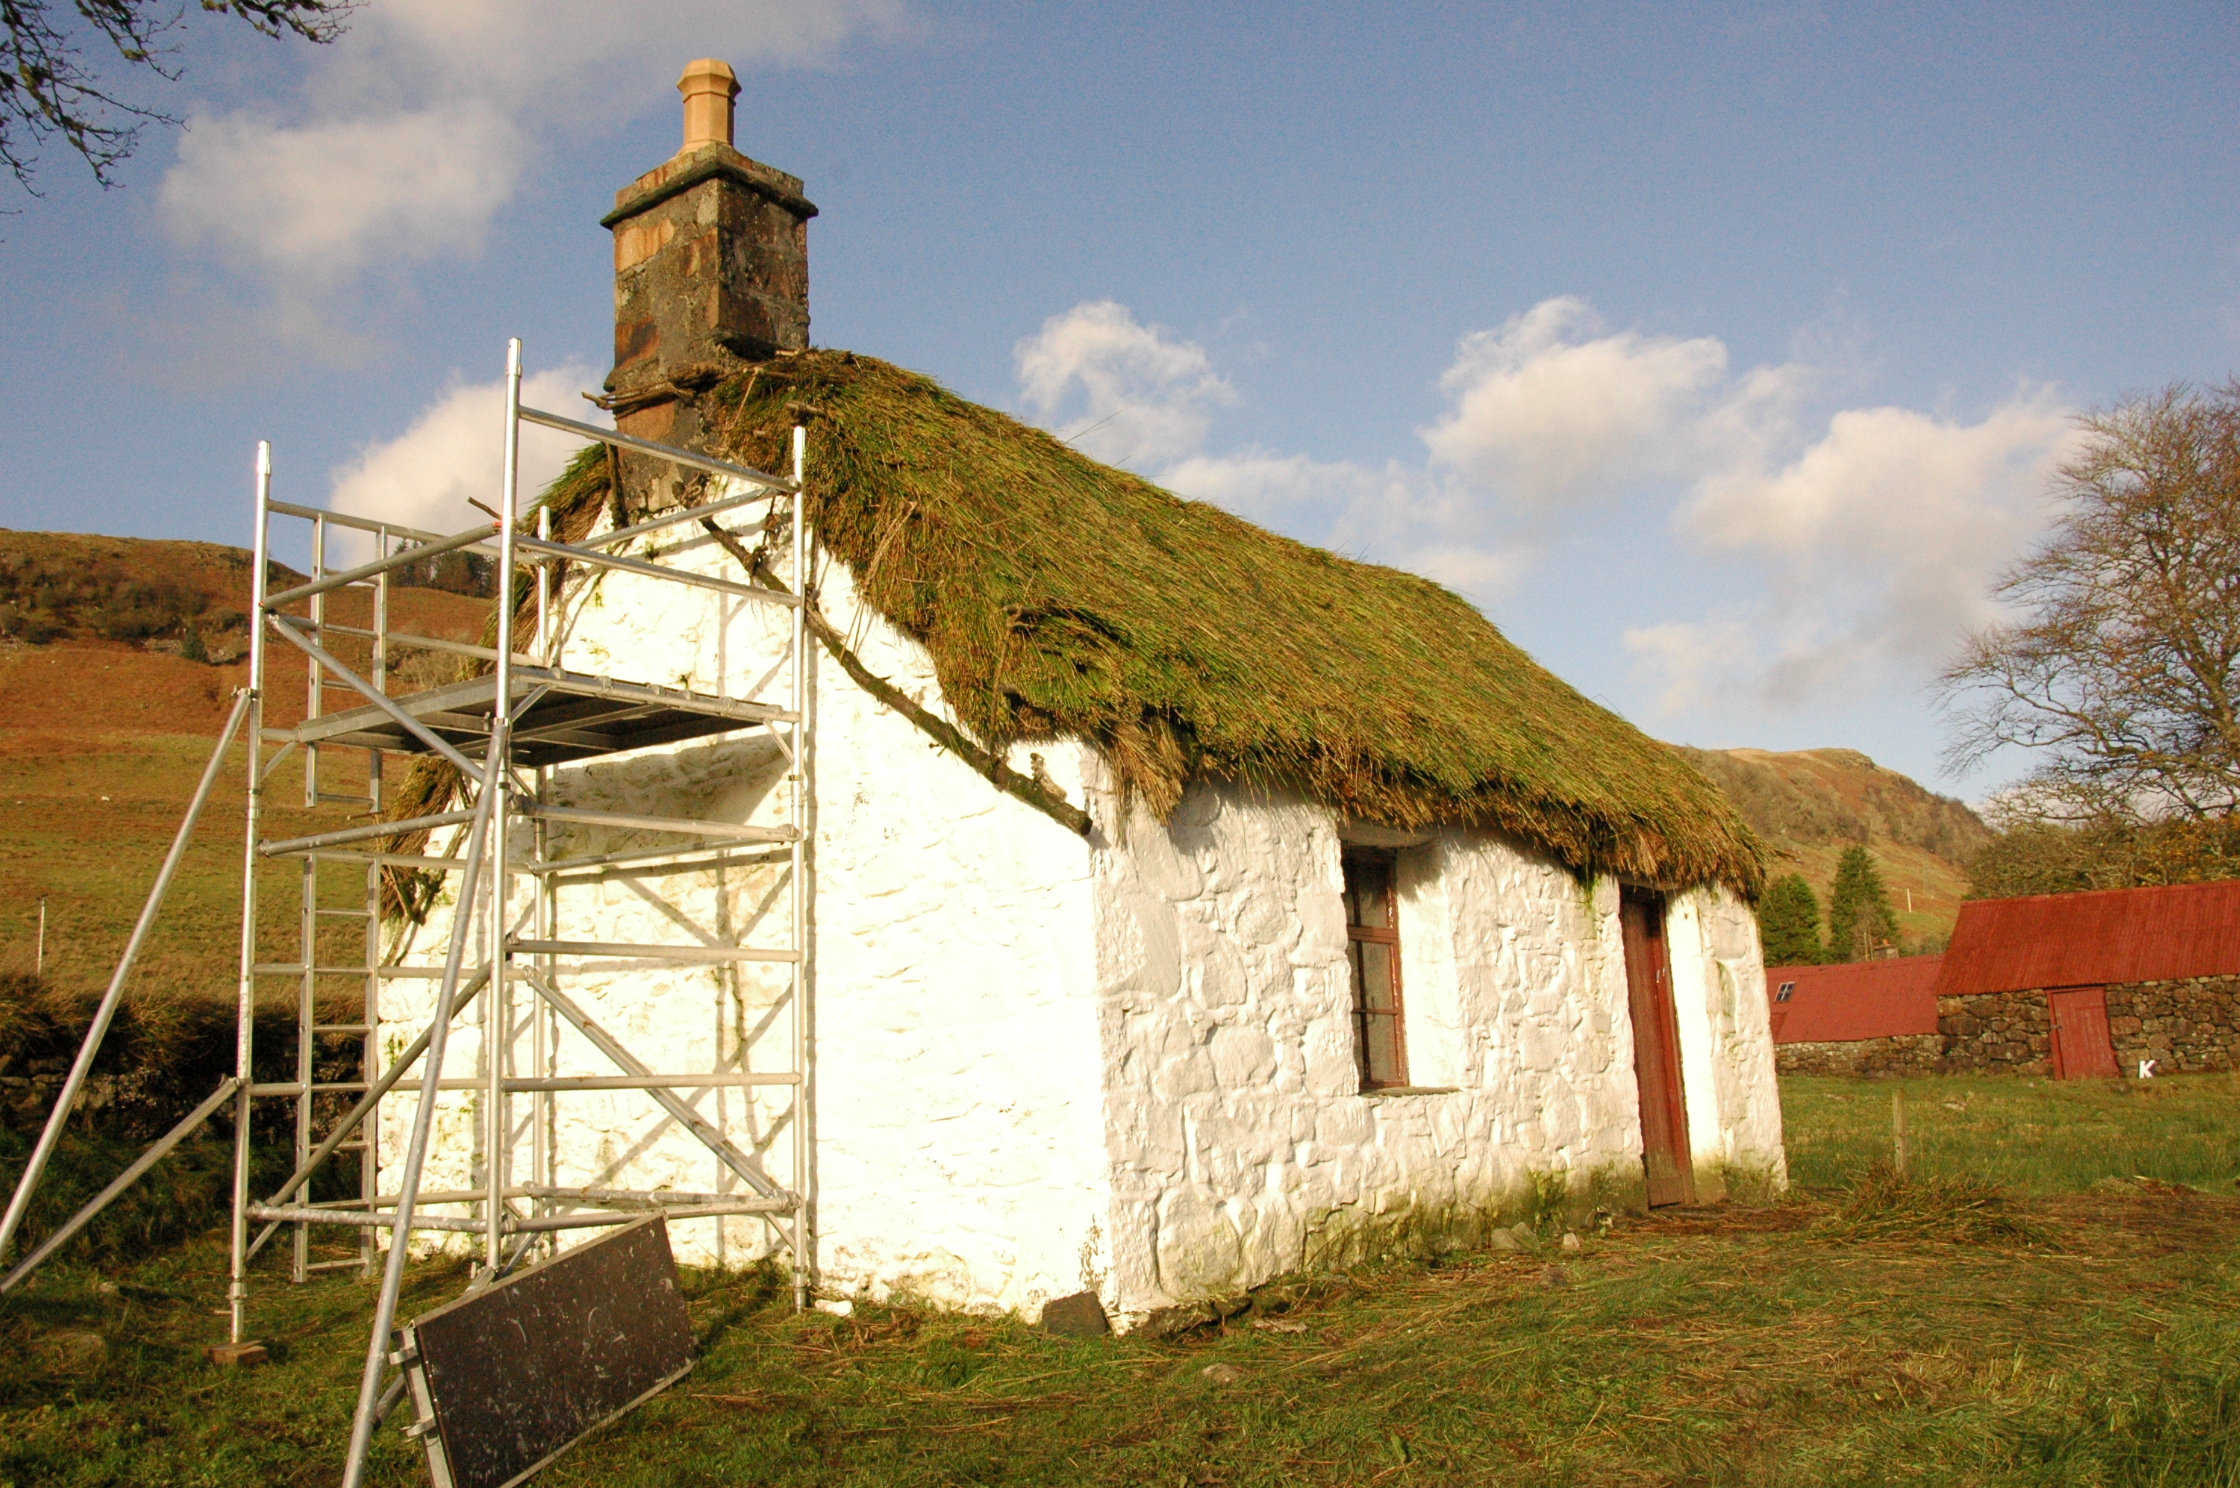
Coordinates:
column 106, row 721
column 72, row 586
column 1810, row 804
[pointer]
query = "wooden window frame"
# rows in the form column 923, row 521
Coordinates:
column 1388, row 936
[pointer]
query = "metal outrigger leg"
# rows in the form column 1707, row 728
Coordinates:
column 106, row 1013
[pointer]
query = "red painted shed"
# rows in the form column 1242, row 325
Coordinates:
column 1854, row 1001
column 2100, row 983
column 2093, row 939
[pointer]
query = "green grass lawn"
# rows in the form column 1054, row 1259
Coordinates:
column 2066, row 1330
column 87, row 826
column 2036, row 1136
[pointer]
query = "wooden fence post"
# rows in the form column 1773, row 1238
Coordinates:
column 1898, row 1151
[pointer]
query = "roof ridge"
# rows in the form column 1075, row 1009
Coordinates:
column 1059, row 597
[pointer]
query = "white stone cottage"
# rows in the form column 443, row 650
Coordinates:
column 1313, row 919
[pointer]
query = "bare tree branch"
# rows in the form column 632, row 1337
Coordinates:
column 50, row 89
column 2122, row 669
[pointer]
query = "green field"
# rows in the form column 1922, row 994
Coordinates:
column 2035, row 1136
column 85, row 825
column 2077, row 1326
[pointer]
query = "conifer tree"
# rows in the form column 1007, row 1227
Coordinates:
column 1789, row 922
column 1860, row 919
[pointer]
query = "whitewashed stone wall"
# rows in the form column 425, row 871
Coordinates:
column 1240, row 1143
column 1045, row 1064
column 959, row 1115
column 1726, row 1041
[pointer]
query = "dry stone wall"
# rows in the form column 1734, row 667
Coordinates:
column 1991, row 1031
column 1901, row 1055
column 2187, row 1026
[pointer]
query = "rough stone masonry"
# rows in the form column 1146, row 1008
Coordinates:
column 711, row 265
column 2186, row 1026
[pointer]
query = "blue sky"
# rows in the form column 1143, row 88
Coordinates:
column 1720, row 353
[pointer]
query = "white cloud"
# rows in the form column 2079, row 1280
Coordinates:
column 319, row 202
column 1873, row 533
column 1549, row 411
column 1876, row 546
column 1123, row 392
column 1269, row 487
column 1689, row 663
column 1854, row 544
column 1137, row 396
column 420, row 124
column 424, row 477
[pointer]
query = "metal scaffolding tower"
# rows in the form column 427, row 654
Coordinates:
column 512, row 946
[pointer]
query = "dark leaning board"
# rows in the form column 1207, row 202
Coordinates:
column 508, row 1377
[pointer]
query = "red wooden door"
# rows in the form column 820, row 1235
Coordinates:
column 1656, row 1050
column 2082, row 1048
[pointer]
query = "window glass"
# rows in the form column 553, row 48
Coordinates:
column 1373, row 951
column 1369, row 891
column 1373, row 975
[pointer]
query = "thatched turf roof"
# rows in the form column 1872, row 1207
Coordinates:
column 1063, row 598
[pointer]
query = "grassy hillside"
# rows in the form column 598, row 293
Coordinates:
column 1809, row 805
column 106, row 721
column 67, row 585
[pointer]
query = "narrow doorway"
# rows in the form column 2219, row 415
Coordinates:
column 2082, row 1046
column 1656, row 1050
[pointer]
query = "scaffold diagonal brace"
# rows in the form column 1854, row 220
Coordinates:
column 374, row 695
column 82, row 1066
column 691, row 1120
column 364, row 1108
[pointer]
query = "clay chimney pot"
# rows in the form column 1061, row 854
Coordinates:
column 708, row 87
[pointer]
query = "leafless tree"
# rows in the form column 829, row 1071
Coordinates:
column 50, row 88
column 2119, row 670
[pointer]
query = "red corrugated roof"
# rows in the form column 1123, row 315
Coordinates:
column 1857, row 1000
column 2090, row 939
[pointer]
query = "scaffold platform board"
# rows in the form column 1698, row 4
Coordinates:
column 557, row 717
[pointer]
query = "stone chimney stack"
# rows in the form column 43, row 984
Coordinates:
column 711, row 267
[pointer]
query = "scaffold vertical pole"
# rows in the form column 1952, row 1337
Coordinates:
column 542, row 1165
column 307, row 1017
column 797, row 790
column 245, row 1007
column 497, row 1018
column 307, row 884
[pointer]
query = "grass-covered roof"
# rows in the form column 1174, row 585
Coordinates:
column 1063, row 598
